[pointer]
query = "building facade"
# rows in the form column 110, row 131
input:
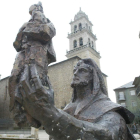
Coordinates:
column 127, row 97
column 137, row 85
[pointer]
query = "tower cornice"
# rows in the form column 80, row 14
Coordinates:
column 73, row 34
column 83, row 48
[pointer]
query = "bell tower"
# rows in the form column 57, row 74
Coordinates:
column 82, row 41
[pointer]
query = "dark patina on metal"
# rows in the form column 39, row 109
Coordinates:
column 34, row 46
column 89, row 116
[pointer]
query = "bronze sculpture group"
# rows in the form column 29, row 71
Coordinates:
column 89, row 116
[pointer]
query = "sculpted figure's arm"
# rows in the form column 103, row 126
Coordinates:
column 39, row 28
column 51, row 28
column 59, row 124
column 47, row 30
column 17, row 42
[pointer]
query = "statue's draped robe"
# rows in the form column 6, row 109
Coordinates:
column 104, row 112
column 30, row 51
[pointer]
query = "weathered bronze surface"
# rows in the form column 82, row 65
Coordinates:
column 89, row 116
column 34, row 46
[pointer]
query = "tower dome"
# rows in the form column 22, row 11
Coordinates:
column 80, row 14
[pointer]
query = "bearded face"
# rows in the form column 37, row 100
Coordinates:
column 82, row 74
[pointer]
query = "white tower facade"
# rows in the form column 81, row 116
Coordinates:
column 82, row 41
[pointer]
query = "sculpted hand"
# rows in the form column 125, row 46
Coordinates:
column 35, row 96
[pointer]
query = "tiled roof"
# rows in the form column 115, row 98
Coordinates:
column 128, row 85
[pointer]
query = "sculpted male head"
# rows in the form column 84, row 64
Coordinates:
column 86, row 72
column 83, row 74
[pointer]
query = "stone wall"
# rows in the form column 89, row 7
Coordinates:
column 86, row 52
column 61, row 75
column 5, row 116
column 4, row 99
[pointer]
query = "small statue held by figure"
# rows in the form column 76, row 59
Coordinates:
column 34, row 46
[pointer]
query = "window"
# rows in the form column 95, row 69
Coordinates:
column 75, row 28
column 81, row 41
column 86, row 25
column 123, row 104
column 121, row 95
column 92, row 45
column 80, row 26
column 75, row 43
column 132, row 92
column 89, row 41
column 134, row 103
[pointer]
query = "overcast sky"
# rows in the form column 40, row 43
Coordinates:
column 116, row 24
